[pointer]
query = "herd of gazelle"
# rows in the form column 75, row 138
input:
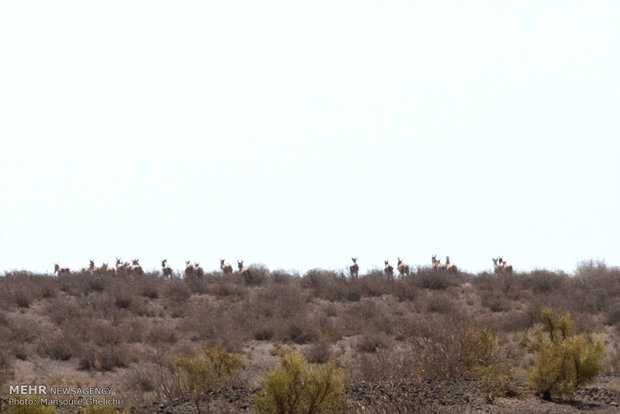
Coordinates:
column 499, row 265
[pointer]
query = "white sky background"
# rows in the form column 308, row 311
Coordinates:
column 300, row 134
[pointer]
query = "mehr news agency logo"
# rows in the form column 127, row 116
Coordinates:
column 33, row 395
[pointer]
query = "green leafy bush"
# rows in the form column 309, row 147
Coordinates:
column 565, row 360
column 297, row 387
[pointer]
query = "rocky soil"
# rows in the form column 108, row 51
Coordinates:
column 431, row 396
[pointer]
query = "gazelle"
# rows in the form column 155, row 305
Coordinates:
column 199, row 271
column 108, row 270
column 388, row 270
column 497, row 268
column 190, row 270
column 354, row 268
column 505, row 266
column 166, row 270
column 135, row 267
column 61, row 270
column 242, row 269
column 94, row 269
column 437, row 263
column 450, row 267
column 403, row 268
column 122, row 267
column 226, row 267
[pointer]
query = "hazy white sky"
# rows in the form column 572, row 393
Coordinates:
column 301, row 133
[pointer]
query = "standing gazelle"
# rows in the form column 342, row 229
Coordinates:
column 135, row 267
column 354, row 268
column 242, row 269
column 403, row 268
column 94, row 269
column 166, row 270
column 450, row 267
column 122, row 268
column 226, row 267
column 388, row 270
column 108, row 270
column 190, row 270
column 437, row 263
column 505, row 266
column 199, row 270
column 497, row 268
column 61, row 270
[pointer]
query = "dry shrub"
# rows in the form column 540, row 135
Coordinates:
column 329, row 330
column 139, row 384
column 406, row 290
column 510, row 321
column 6, row 373
column 373, row 283
column 612, row 315
column 226, row 286
column 135, row 329
column 97, row 283
column 170, row 382
column 439, row 302
column 150, row 290
column 263, row 332
column 278, row 299
column 123, row 300
column 104, row 358
column 176, row 291
column 20, row 289
column 371, row 342
column 256, row 275
column 226, row 321
column 452, row 348
column 435, row 280
column 61, row 310
column 318, row 353
column 20, row 329
column 594, row 289
column 78, row 283
column 494, row 301
column 300, row 331
column 112, row 356
column 161, row 333
column 543, row 281
column 57, row 347
column 369, row 314
column 385, row 364
column 282, row 277
column 197, row 285
column 103, row 333
column 325, row 284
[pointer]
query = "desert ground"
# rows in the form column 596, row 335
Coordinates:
column 428, row 341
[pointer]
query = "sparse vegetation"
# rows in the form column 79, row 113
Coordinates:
column 424, row 328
